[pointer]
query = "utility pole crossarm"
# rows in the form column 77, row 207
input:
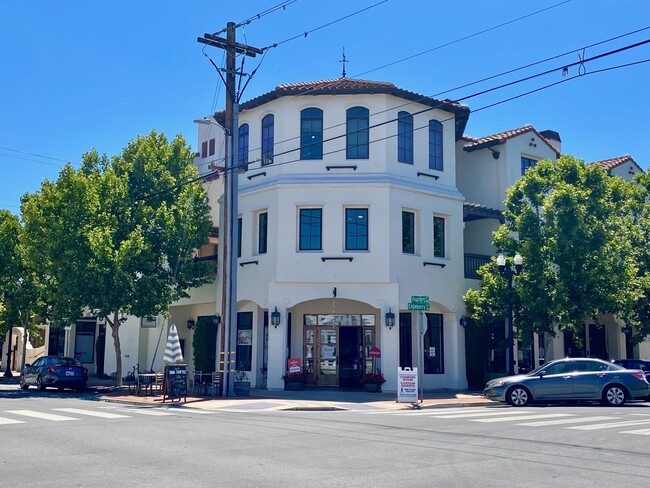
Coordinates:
column 222, row 43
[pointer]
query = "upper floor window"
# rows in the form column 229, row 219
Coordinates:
column 262, row 232
column 267, row 139
column 311, row 133
column 212, row 146
column 439, row 237
column 435, row 145
column 310, row 229
column 527, row 163
column 356, row 229
column 243, row 144
column 357, row 134
column 405, row 137
column 204, row 149
column 408, row 232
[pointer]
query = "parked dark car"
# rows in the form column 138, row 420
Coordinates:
column 641, row 364
column 571, row 379
column 55, row 371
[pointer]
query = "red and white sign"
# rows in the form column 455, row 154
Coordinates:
column 294, row 365
column 374, row 352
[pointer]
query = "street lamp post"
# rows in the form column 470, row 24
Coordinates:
column 508, row 272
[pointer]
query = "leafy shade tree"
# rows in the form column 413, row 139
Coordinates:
column 19, row 287
column 577, row 229
column 117, row 236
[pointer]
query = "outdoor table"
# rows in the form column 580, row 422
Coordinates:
column 146, row 382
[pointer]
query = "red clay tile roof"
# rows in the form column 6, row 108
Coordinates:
column 501, row 137
column 609, row 164
column 352, row 86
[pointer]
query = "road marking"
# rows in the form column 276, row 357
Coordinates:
column 41, row 415
column 147, row 411
column 4, row 421
column 479, row 414
column 610, row 425
column 577, row 420
column 441, row 411
column 637, row 432
column 516, row 418
column 92, row 413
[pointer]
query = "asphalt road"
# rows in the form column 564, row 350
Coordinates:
column 58, row 440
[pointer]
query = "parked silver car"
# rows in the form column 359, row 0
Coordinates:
column 571, row 379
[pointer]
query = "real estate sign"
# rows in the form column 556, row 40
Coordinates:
column 407, row 385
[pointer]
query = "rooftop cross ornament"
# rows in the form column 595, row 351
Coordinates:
column 344, row 60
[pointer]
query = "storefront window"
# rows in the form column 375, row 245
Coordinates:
column 244, row 341
column 433, row 345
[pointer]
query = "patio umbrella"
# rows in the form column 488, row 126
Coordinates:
column 173, row 353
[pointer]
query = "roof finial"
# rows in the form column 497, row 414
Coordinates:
column 344, row 60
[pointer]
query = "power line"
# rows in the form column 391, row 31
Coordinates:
column 37, row 155
column 32, row 160
column 306, row 33
column 280, row 6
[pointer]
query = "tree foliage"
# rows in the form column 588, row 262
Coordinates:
column 117, row 236
column 582, row 235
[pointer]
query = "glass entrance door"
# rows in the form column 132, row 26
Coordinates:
column 328, row 362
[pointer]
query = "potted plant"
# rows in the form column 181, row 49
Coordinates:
column 294, row 381
column 373, row 381
column 242, row 384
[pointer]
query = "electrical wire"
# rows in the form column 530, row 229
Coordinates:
column 282, row 6
column 35, row 154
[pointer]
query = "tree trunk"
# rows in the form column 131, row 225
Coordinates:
column 115, row 332
column 22, row 360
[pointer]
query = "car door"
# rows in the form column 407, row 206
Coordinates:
column 554, row 382
column 589, row 379
column 29, row 374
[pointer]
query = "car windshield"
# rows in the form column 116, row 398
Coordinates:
column 66, row 362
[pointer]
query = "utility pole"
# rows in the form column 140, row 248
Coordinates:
column 230, row 211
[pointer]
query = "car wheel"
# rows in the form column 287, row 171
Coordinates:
column 80, row 388
column 23, row 385
column 39, row 384
column 518, row 396
column 614, row 396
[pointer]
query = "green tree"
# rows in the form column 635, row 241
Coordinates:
column 117, row 236
column 577, row 229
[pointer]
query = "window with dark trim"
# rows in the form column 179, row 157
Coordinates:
column 408, row 232
column 311, row 229
column 268, row 123
column 243, row 144
column 357, row 133
column 204, row 149
column 212, row 146
column 84, row 342
column 244, row 351
column 356, row 229
column 405, row 137
column 262, row 232
column 527, row 163
column 435, row 145
column 434, row 357
column 311, row 133
column 439, row 237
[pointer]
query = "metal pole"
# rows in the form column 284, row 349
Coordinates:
column 511, row 344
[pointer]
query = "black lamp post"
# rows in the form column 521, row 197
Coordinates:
column 508, row 271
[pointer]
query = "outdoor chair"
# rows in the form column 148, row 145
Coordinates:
column 215, row 382
column 159, row 382
column 197, row 381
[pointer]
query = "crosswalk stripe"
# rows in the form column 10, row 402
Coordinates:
column 41, row 415
column 610, row 425
column 638, row 432
column 147, row 411
column 516, row 418
column 575, row 420
column 444, row 411
column 92, row 413
column 478, row 414
column 4, row 421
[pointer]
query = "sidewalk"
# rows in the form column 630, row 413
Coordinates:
column 309, row 399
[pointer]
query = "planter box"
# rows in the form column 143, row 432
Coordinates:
column 293, row 385
column 372, row 387
column 242, row 388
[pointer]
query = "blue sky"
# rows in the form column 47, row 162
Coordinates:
column 78, row 75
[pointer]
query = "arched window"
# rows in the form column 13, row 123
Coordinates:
column 311, row 133
column 435, row 145
column 267, row 139
column 405, row 137
column 357, row 133
column 243, row 145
